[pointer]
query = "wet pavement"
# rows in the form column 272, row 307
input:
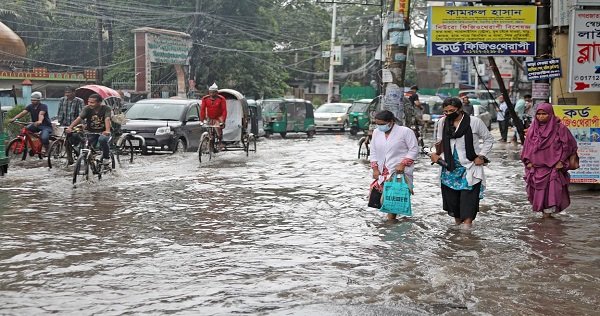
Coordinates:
column 285, row 231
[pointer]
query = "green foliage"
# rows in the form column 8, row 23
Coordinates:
column 256, row 46
column 12, row 130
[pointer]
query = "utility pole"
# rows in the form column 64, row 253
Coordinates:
column 544, row 42
column 99, row 28
column 331, row 57
column 396, row 50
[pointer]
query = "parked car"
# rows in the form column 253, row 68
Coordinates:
column 332, row 115
column 484, row 97
column 167, row 125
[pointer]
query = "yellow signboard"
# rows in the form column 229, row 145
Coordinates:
column 584, row 123
column 464, row 31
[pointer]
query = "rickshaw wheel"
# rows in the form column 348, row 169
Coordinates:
column 311, row 133
column 204, row 150
column 283, row 134
column 354, row 131
column 363, row 149
column 267, row 134
column 253, row 141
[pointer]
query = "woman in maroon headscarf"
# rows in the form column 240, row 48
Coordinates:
column 546, row 152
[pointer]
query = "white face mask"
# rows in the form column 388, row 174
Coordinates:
column 384, row 128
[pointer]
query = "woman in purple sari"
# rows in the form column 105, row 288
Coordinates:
column 546, row 152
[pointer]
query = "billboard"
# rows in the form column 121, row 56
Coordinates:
column 584, row 123
column 482, row 31
column 584, row 57
column 166, row 49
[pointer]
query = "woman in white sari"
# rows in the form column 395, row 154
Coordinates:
column 394, row 148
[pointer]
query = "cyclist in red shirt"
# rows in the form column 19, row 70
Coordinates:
column 214, row 109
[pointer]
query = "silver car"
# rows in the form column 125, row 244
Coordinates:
column 332, row 115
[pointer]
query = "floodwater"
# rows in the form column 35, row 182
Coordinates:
column 285, row 231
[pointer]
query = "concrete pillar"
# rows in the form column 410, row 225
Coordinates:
column 26, row 86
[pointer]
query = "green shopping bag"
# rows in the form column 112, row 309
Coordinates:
column 396, row 196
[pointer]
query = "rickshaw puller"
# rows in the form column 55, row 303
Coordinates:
column 214, row 109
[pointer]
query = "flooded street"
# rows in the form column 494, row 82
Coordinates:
column 285, row 231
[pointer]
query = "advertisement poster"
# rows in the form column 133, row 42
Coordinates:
column 584, row 123
column 584, row 58
column 482, row 31
column 543, row 69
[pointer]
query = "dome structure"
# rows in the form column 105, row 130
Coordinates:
column 12, row 48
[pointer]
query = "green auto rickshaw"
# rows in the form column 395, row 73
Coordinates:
column 285, row 115
column 359, row 115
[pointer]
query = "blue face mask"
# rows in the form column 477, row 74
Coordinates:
column 384, row 128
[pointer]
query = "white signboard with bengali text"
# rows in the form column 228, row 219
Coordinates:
column 584, row 57
column 168, row 49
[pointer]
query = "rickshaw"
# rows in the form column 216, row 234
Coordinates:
column 256, row 118
column 236, row 136
column 359, row 116
column 125, row 143
column 288, row 116
column 3, row 157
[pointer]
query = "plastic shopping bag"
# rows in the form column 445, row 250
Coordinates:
column 396, row 196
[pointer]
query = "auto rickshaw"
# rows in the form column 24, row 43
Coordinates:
column 359, row 116
column 256, row 118
column 3, row 157
column 288, row 116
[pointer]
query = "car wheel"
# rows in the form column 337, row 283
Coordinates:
column 180, row 147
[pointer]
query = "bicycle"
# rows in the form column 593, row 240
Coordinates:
column 27, row 142
column 208, row 143
column 90, row 159
column 123, row 145
column 61, row 152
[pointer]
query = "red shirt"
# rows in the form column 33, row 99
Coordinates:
column 213, row 108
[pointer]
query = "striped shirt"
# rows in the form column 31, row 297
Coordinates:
column 69, row 110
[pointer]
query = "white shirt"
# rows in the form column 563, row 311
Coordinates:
column 400, row 144
column 480, row 132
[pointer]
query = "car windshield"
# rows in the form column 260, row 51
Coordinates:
column 272, row 106
column 156, row 111
column 359, row 107
column 331, row 108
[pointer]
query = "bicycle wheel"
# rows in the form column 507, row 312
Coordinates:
column 82, row 170
column 57, row 154
column 16, row 149
column 204, row 150
column 363, row 149
column 126, row 149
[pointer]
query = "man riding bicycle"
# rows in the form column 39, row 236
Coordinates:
column 39, row 118
column 214, row 109
column 97, row 118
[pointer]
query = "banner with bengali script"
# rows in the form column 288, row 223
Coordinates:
column 584, row 57
column 584, row 123
column 482, row 31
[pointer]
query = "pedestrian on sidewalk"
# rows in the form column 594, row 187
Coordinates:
column 502, row 117
column 520, row 110
column 394, row 148
column 463, row 179
column 546, row 152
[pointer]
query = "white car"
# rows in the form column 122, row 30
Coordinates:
column 332, row 115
